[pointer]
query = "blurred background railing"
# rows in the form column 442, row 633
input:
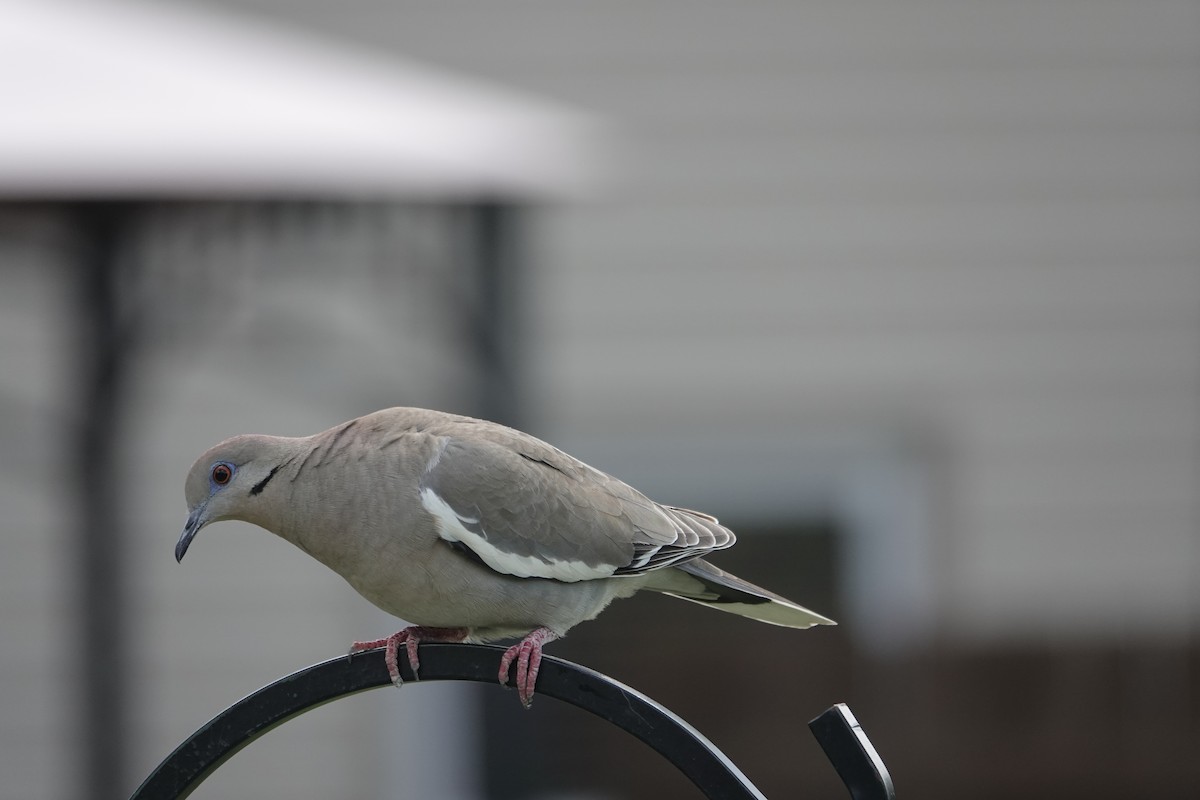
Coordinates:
column 906, row 292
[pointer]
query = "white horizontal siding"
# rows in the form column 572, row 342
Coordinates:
column 973, row 222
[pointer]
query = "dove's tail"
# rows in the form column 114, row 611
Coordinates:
column 701, row 582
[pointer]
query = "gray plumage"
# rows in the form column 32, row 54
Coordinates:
column 454, row 523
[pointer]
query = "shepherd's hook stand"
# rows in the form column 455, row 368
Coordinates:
column 839, row 734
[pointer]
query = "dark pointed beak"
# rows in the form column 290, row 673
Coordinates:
column 195, row 522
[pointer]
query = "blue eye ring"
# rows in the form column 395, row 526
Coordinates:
column 221, row 473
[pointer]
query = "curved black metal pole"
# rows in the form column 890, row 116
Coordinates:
column 708, row 768
column 242, row 723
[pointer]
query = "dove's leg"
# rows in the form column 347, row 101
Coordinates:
column 528, row 653
column 410, row 637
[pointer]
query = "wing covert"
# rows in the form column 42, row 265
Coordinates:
column 528, row 509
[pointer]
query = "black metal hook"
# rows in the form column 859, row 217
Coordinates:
column 706, row 766
column 852, row 754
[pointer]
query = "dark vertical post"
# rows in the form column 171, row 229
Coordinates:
column 102, row 346
column 498, row 313
column 496, row 339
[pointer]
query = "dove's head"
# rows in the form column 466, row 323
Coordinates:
column 228, row 481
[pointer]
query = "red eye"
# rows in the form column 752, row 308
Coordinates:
column 221, row 474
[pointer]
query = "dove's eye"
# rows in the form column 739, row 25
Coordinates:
column 221, row 474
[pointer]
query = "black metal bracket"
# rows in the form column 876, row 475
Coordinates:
column 852, row 754
column 707, row 767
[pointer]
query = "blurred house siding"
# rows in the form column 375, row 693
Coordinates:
column 970, row 228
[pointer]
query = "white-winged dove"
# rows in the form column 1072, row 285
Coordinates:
column 470, row 530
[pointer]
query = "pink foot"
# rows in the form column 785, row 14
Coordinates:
column 410, row 637
column 528, row 653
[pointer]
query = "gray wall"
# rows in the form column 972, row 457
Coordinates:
column 968, row 227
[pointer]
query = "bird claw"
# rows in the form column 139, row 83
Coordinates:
column 410, row 637
column 528, row 655
column 391, row 655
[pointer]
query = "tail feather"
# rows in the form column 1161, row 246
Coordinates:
column 701, row 582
